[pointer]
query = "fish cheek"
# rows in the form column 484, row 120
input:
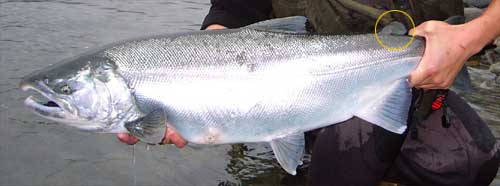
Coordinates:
column 90, row 100
column 84, row 101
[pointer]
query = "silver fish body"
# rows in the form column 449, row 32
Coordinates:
column 252, row 84
column 249, row 86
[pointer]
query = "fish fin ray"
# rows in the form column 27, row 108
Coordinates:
column 289, row 151
column 294, row 24
column 150, row 128
column 390, row 111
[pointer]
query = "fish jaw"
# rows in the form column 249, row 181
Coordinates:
column 50, row 105
column 43, row 109
column 50, row 109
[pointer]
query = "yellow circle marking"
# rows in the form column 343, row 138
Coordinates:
column 395, row 48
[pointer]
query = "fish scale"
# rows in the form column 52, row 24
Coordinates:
column 259, row 83
column 222, row 73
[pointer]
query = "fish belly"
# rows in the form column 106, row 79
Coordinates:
column 251, row 86
column 247, row 109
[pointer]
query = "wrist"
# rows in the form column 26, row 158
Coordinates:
column 478, row 33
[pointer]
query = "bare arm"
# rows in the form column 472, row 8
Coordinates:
column 449, row 46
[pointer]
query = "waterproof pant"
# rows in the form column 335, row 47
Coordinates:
column 359, row 153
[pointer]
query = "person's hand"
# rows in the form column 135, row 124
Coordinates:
column 215, row 27
column 170, row 137
column 447, row 49
column 449, row 46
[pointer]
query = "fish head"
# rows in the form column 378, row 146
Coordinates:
column 84, row 92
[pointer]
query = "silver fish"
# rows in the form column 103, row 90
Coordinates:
column 268, row 82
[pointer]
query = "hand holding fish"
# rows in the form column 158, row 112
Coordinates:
column 170, row 137
column 449, row 46
column 444, row 54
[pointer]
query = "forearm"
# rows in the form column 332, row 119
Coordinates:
column 484, row 29
column 449, row 46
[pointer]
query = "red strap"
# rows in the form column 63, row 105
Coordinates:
column 438, row 102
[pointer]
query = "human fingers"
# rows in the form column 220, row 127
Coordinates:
column 421, row 73
column 420, row 76
column 172, row 137
column 216, row 27
column 127, row 138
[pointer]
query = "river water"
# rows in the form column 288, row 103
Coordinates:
column 34, row 151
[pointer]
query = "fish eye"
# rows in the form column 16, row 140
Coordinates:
column 66, row 89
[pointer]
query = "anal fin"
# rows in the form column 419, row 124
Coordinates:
column 390, row 110
column 150, row 128
column 289, row 151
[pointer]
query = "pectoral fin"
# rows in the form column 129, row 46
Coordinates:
column 289, row 151
column 150, row 128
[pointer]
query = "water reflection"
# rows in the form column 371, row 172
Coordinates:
column 254, row 164
column 485, row 100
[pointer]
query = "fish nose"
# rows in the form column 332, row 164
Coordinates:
column 24, row 84
column 28, row 82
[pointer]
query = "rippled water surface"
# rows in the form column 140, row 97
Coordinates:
column 34, row 151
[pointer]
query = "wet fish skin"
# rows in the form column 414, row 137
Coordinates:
column 230, row 93
column 232, row 86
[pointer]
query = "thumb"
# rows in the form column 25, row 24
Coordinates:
column 417, row 77
column 422, row 29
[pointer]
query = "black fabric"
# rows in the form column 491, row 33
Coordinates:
column 237, row 13
column 475, row 126
column 353, row 152
column 462, row 154
column 356, row 152
column 487, row 171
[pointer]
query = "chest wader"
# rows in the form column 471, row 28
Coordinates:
column 446, row 143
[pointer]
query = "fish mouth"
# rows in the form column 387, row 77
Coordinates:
column 46, row 104
column 43, row 103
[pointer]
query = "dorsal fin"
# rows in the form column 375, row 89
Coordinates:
column 294, row 24
column 394, row 28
